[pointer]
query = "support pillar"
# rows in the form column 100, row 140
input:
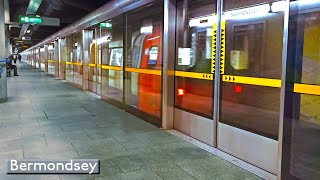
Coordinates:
column 169, row 55
column 3, row 80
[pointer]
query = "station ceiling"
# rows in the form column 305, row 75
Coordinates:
column 67, row 10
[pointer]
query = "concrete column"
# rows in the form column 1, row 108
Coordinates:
column 2, row 31
column 3, row 80
column 7, row 19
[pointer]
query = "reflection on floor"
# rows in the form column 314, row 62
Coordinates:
column 48, row 119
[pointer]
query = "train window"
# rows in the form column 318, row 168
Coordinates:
column 194, row 53
column 153, row 55
column 110, row 42
column 144, row 58
column 254, row 53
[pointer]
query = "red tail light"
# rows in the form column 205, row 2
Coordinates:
column 180, row 92
column 238, row 89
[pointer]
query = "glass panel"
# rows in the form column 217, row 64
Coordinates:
column 69, row 59
column 144, row 58
column 77, row 58
column 63, row 50
column 194, row 52
column 51, row 59
column 93, row 62
column 253, row 50
column 305, row 132
column 43, row 58
column 111, row 50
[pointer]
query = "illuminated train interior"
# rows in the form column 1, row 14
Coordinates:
column 122, row 60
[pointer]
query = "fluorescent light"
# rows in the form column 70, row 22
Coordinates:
column 209, row 32
column 50, row 47
column 146, row 29
column 28, row 31
column 153, row 38
column 102, row 40
column 308, row 2
column 278, row 6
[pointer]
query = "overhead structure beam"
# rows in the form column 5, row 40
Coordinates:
column 79, row 5
column 32, row 9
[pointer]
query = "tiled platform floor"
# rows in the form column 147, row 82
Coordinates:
column 49, row 119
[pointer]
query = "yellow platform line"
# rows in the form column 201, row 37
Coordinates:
column 92, row 65
column 52, row 61
column 144, row 71
column 116, row 68
column 194, row 75
column 307, row 89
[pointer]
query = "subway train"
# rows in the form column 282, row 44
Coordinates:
column 124, row 64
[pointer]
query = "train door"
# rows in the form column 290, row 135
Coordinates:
column 193, row 79
column 251, row 68
column 301, row 128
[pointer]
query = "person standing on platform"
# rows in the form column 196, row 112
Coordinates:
column 19, row 57
column 12, row 66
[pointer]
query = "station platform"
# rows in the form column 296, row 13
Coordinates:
column 47, row 119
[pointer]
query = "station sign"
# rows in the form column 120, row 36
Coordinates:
column 30, row 19
column 106, row 25
column 26, row 38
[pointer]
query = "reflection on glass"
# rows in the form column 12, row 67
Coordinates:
column 69, row 59
column 144, row 42
column 42, row 59
column 305, row 132
column 194, row 52
column 51, row 65
column 77, row 58
column 63, row 58
column 253, row 49
column 111, row 49
column 94, row 67
column 116, row 57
